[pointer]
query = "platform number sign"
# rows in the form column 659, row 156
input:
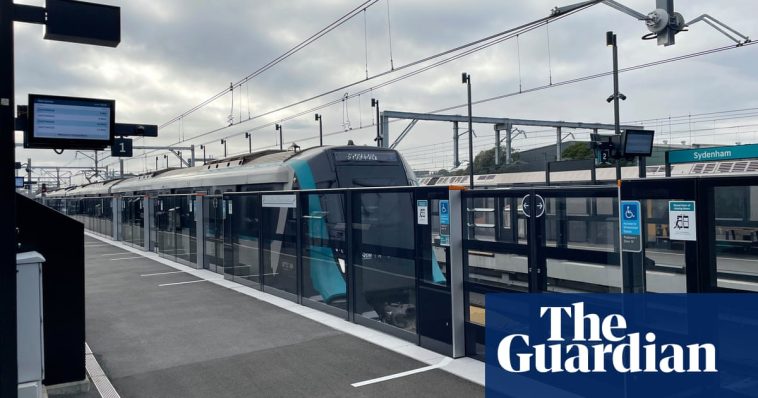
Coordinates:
column 444, row 223
column 631, row 226
column 122, row 148
column 682, row 224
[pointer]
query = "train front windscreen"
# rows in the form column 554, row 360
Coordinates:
column 382, row 235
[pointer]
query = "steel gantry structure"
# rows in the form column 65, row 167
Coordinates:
column 500, row 124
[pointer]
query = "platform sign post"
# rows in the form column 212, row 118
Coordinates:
column 682, row 224
column 631, row 226
column 444, row 223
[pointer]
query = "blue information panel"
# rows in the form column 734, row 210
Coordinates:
column 631, row 226
column 621, row 345
column 444, row 223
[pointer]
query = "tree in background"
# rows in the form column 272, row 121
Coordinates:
column 578, row 151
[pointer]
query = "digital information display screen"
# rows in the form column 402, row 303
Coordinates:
column 638, row 142
column 19, row 182
column 69, row 123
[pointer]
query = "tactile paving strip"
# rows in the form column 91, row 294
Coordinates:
column 98, row 377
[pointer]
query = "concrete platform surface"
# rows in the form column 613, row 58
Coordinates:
column 201, row 339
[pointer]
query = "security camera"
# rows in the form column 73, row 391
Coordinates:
column 140, row 130
column 622, row 96
column 610, row 99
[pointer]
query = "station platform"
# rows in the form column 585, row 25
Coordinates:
column 157, row 328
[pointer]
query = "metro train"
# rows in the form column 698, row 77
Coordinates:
column 232, row 242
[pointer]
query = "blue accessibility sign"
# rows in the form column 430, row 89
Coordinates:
column 444, row 210
column 631, row 226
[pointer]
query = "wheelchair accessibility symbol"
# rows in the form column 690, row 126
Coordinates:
column 629, row 213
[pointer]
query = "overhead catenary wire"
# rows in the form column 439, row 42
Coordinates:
column 472, row 47
column 365, row 40
column 542, row 87
column 534, row 89
column 340, row 21
column 389, row 35
column 549, row 57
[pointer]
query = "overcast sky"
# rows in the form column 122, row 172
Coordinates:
column 176, row 53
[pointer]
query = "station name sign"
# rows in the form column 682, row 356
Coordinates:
column 713, row 154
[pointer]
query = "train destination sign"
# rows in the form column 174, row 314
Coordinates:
column 69, row 123
column 714, row 154
column 365, row 156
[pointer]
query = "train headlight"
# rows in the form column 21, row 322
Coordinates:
column 341, row 263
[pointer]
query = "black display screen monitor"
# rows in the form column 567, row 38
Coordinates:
column 69, row 123
column 19, row 182
column 638, row 142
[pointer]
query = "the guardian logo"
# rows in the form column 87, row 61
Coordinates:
column 599, row 345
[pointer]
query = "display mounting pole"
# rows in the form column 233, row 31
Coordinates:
column 8, row 338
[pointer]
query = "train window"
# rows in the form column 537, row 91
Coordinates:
column 753, row 199
column 371, row 176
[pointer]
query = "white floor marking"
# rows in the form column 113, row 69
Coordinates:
column 126, row 258
column 96, row 245
column 163, row 273
column 182, row 283
column 442, row 363
column 115, row 254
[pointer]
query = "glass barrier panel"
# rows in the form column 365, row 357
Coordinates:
column 154, row 223
column 279, row 230
column 384, row 258
column 126, row 220
column 499, row 270
column 475, row 313
column 165, row 215
column 214, row 233
column 495, row 219
column 186, row 244
column 584, row 223
column 245, row 238
column 138, row 220
column 565, row 276
column 665, row 269
column 324, row 252
column 736, row 235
